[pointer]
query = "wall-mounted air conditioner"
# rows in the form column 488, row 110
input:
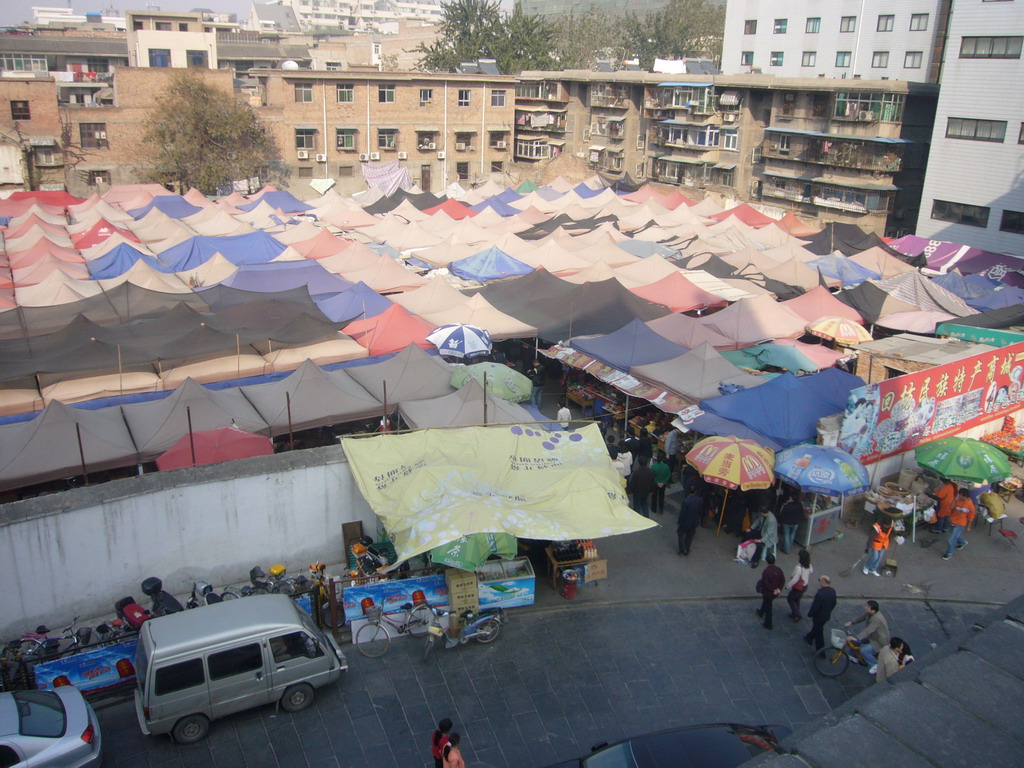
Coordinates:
column 302, row 154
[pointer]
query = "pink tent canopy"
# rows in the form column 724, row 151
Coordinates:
column 819, row 302
column 688, row 332
column 791, row 224
column 214, row 446
column 678, row 294
column 453, row 208
column 391, row 331
column 749, row 216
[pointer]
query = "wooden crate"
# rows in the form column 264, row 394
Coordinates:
column 463, row 594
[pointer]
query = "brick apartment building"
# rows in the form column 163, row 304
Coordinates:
column 30, row 135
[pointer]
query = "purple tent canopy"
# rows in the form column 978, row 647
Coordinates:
column 359, row 301
column 489, row 264
column 502, row 208
column 175, row 206
column 943, row 257
column 509, row 196
column 282, row 275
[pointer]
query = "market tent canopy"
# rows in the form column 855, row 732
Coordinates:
column 749, row 321
column 679, row 294
column 412, row 374
column 358, row 301
column 787, row 408
column 282, row 275
column 464, row 407
column 514, row 480
column 818, row 303
column 837, row 267
column 788, row 354
column 632, row 345
column 791, row 224
column 745, row 213
column 213, row 447
column 697, row 374
column 921, row 292
column 254, row 248
column 390, row 331
column 688, row 332
column 490, row 264
column 849, row 239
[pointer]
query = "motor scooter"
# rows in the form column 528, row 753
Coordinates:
column 483, row 628
column 164, row 603
column 202, row 594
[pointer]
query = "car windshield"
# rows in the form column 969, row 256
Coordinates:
column 714, row 747
column 40, row 713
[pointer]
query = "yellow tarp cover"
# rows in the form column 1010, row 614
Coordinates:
column 433, row 486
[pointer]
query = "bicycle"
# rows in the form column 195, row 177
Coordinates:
column 40, row 645
column 374, row 638
column 833, row 661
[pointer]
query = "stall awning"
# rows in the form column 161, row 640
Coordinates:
column 834, row 137
column 790, row 176
column 855, row 184
column 433, row 129
column 683, row 160
column 557, row 142
column 724, row 166
column 596, row 148
column 729, row 98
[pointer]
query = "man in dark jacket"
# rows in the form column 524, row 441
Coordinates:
column 690, row 513
column 820, row 612
column 772, row 582
column 640, row 485
column 537, row 381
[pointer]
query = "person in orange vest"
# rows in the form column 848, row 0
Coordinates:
column 963, row 514
column 877, row 544
column 946, row 495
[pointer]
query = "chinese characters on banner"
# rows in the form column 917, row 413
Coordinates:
column 898, row 414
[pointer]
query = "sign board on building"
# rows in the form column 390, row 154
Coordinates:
column 896, row 415
column 993, row 336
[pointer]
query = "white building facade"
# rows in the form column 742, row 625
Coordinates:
column 870, row 39
column 974, row 185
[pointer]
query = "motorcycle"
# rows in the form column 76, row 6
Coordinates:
column 164, row 603
column 39, row 644
column 482, row 628
column 129, row 611
column 202, row 594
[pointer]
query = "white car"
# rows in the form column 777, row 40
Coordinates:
column 56, row 729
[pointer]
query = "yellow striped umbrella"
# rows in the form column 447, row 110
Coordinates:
column 732, row 463
column 841, row 329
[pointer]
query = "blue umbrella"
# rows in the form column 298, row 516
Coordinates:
column 461, row 341
column 821, row 469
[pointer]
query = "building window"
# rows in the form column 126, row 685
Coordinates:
column 20, row 110
column 497, row 98
column 879, row 59
column 809, row 58
column 18, row 63
column 913, row 59
column 464, row 142
column 843, row 58
column 750, row 27
column 47, row 156
column 386, row 94
column 137, row 25
column 387, row 138
column 332, row 66
column 990, row 47
column 196, row 59
column 1012, row 221
column 497, row 166
column 426, row 96
column 346, row 93
column 813, row 25
column 730, row 139
column 162, row 26
column 465, row 96
column 975, row 130
column 99, row 177
column 870, row 106
column 159, row 57
column 747, row 59
column 1020, row 138
column 886, row 23
column 345, row 138
column 93, row 135
column 848, row 24
column 775, row 60
column 346, row 171
column 497, row 140
column 305, row 138
column 303, row 93
column 918, row 22
column 97, row 65
column 780, row 26
column 425, row 140
column 305, row 171
column 462, row 171
column 183, row 26
column 959, row 213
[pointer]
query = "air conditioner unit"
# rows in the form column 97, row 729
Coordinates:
column 302, row 154
column 581, row 154
column 375, row 155
column 432, row 145
column 321, row 158
column 641, row 142
column 363, row 156
column 774, row 147
column 729, row 117
column 460, row 147
column 500, row 145
column 403, row 155
column 865, row 115
column 441, row 155
column 103, row 134
column 586, row 134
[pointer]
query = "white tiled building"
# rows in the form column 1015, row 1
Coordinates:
column 363, row 15
column 870, row 39
column 974, row 186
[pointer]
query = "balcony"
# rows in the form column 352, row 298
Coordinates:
column 609, row 102
column 840, row 205
column 80, row 79
column 785, row 194
column 855, row 154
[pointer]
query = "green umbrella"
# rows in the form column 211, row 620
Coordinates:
column 964, row 459
column 502, row 381
column 469, row 551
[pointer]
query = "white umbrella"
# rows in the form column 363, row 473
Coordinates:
column 462, row 341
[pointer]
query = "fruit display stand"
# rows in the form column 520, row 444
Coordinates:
column 1008, row 440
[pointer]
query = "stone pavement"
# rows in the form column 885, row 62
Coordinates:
column 555, row 683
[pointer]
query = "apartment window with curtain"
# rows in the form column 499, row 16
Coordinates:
column 918, row 22
column 848, row 24
column 346, row 93
column 879, row 59
column 886, row 23
column 913, row 59
column 809, row 59
column 775, row 60
column 780, row 26
column 843, row 58
column 750, row 27
column 813, row 25
column 303, row 93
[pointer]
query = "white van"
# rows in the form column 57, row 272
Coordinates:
column 208, row 662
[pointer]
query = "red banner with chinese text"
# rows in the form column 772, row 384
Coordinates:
column 898, row 414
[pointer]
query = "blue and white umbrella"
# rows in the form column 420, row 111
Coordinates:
column 462, row 341
column 821, row 469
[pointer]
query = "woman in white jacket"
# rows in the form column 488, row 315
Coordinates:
column 798, row 582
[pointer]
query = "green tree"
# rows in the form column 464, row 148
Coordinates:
column 580, row 40
column 204, row 137
column 683, row 28
column 525, row 43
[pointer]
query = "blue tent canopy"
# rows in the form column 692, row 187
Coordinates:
column 359, row 301
column 770, row 353
column 584, row 191
column 839, row 267
column 787, row 408
column 645, row 248
column 115, row 262
column 965, row 287
column 547, row 193
column 175, row 206
column 283, row 275
column 251, row 248
column 710, row 424
column 632, row 345
column 283, row 201
column 502, row 208
column 1008, row 296
column 508, row 195
column 490, row 264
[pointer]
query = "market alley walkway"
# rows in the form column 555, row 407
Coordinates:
column 554, row 684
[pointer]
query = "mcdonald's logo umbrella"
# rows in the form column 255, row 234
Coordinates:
column 733, row 462
column 213, row 446
column 841, row 329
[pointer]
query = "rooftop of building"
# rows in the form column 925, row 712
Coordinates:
column 922, row 349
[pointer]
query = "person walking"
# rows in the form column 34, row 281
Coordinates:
column 439, row 741
column 820, row 612
column 640, row 485
column 790, row 517
column 875, row 635
column 771, row 583
column 691, row 512
column 798, row 583
column 537, row 382
column 878, row 543
column 564, row 415
column 662, row 477
column 452, row 753
column 766, row 531
column 961, row 517
column 889, row 660
column 673, row 439
column 945, row 496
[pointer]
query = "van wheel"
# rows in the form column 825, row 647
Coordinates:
column 191, row 729
column 297, row 697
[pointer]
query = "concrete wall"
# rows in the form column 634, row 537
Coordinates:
column 76, row 553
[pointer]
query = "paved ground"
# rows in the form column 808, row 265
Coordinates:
column 555, row 683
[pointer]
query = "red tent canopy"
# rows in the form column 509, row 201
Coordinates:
column 453, row 208
column 59, row 198
column 214, row 446
column 33, row 221
column 391, row 331
column 99, row 232
column 746, row 214
column 791, row 224
column 679, row 294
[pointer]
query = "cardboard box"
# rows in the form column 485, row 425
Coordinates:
column 595, row 570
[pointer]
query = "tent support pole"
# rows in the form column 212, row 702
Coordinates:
column 625, row 419
column 291, row 435
column 485, row 398
column 384, row 421
column 191, row 438
column 721, row 514
column 81, row 452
